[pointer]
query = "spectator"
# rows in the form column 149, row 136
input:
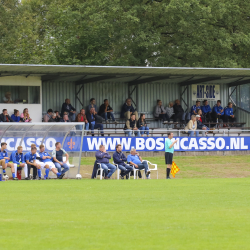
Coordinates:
column 25, row 117
column 142, row 125
column 92, row 104
column 57, row 155
column 91, row 117
column 218, row 111
column 135, row 160
column 192, row 126
column 130, row 126
column 206, row 110
column 199, row 112
column 128, row 110
column 65, row 118
column 16, row 117
column 48, row 115
column 229, row 114
column 170, row 110
column 201, row 126
column 105, row 111
column 70, row 109
column 160, row 112
column 103, row 157
column 195, row 107
column 120, row 159
column 178, row 111
column 7, row 98
column 58, row 117
column 81, row 117
column 52, row 118
column 4, row 117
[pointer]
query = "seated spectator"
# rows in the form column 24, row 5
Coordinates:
column 218, row 111
column 170, row 110
column 4, row 117
column 81, row 117
column 130, row 126
column 58, row 117
column 16, row 117
column 120, row 159
column 57, row 155
column 65, row 118
column 178, row 111
column 92, row 105
column 142, row 125
column 67, row 107
column 25, row 117
column 52, row 118
column 160, row 112
column 192, row 126
column 103, row 158
column 106, row 112
column 194, row 108
column 135, row 159
column 128, row 110
column 201, row 126
column 7, row 98
column 199, row 112
column 91, row 117
column 229, row 114
column 206, row 110
column 48, row 115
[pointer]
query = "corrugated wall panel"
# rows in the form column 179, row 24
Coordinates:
column 243, row 116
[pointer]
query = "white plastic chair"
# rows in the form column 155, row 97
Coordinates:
column 152, row 169
column 136, row 170
column 101, row 170
column 118, row 171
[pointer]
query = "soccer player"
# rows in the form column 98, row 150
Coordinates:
column 49, row 165
column 17, row 158
column 5, row 161
column 169, row 152
column 30, row 159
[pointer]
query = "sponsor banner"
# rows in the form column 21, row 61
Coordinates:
column 209, row 92
column 72, row 144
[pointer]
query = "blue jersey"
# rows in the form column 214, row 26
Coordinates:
column 44, row 154
column 4, row 154
column 17, row 158
column 30, row 157
column 206, row 109
column 217, row 110
column 229, row 111
column 194, row 108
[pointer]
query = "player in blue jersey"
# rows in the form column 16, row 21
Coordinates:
column 30, row 159
column 5, row 161
column 17, row 158
column 46, row 159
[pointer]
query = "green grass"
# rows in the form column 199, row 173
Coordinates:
column 128, row 214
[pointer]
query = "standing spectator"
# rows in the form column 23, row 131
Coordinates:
column 58, row 117
column 4, row 117
column 92, row 104
column 178, row 111
column 81, row 117
column 206, row 110
column 135, row 159
column 65, row 118
column 128, row 110
column 67, row 107
column 103, row 157
column 48, row 115
column 120, row 159
column 229, row 114
column 142, row 125
column 170, row 110
column 160, row 112
column 7, row 98
column 91, row 117
column 192, row 126
column 57, row 155
column 105, row 111
column 201, row 126
column 130, row 126
column 16, row 117
column 218, row 111
column 25, row 117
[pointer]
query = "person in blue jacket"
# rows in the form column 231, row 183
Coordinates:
column 229, row 114
column 194, row 109
column 206, row 110
column 120, row 159
column 218, row 111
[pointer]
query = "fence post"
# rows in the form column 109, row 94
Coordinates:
column 80, row 154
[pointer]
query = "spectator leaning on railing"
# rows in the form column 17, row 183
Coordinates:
column 130, row 126
column 48, row 115
column 128, row 110
column 67, row 107
column 4, row 117
column 16, row 117
column 192, row 126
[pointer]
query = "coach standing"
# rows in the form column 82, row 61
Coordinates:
column 169, row 152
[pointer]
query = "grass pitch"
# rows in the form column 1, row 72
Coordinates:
column 125, row 214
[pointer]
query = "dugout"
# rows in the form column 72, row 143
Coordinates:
column 40, row 87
